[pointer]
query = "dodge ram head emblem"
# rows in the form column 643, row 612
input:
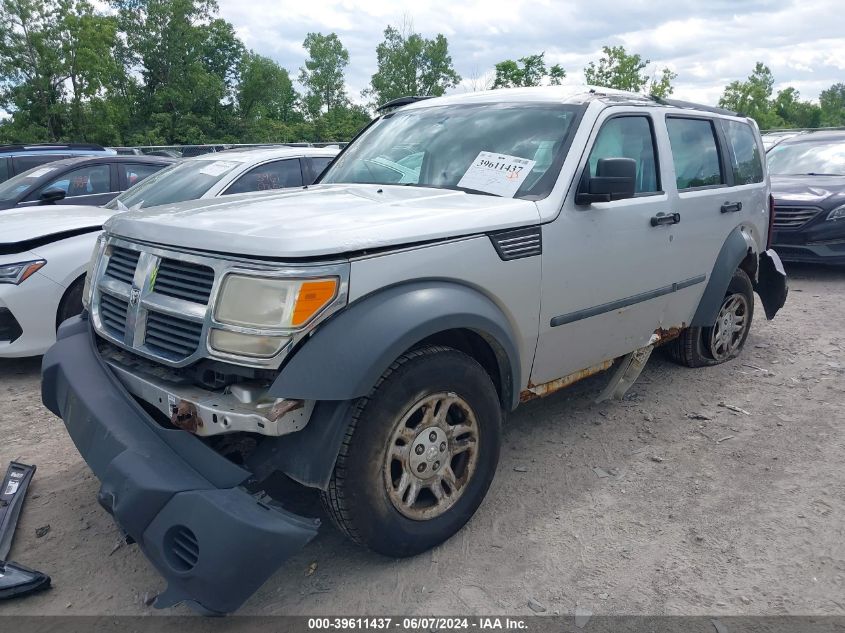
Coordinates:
column 134, row 296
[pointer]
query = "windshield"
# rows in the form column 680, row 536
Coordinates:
column 820, row 158
column 443, row 146
column 188, row 180
column 14, row 187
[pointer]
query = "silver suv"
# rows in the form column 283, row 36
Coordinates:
column 367, row 335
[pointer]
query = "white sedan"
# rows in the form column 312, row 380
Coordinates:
column 44, row 250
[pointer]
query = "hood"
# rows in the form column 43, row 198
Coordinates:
column 25, row 224
column 322, row 220
column 823, row 191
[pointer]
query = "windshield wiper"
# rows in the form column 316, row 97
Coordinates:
column 813, row 173
column 450, row 188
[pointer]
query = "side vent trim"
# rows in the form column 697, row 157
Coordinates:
column 518, row 243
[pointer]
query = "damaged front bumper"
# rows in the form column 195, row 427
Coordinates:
column 214, row 543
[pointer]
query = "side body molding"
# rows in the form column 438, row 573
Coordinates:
column 730, row 256
column 346, row 356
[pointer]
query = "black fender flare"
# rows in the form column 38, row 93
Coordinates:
column 733, row 251
column 345, row 357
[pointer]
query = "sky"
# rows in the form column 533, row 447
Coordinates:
column 709, row 44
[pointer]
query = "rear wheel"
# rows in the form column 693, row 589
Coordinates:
column 724, row 340
column 419, row 455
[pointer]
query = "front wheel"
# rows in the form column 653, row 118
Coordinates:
column 724, row 340
column 419, row 455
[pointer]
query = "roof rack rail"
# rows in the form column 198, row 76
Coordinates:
column 689, row 105
column 18, row 147
column 402, row 101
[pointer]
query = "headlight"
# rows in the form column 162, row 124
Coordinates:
column 89, row 272
column 18, row 273
column 270, row 307
column 837, row 214
column 265, row 302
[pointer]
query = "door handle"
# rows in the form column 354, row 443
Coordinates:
column 665, row 218
column 731, row 207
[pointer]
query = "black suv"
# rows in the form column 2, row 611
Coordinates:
column 808, row 187
column 85, row 180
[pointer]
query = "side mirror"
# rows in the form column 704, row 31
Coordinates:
column 615, row 179
column 52, row 195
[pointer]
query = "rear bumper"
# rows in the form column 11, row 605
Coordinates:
column 213, row 542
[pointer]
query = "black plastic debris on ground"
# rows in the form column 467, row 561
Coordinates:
column 15, row 579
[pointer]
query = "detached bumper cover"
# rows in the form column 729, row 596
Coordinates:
column 180, row 501
column 771, row 283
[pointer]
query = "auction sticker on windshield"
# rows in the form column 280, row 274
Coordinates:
column 499, row 174
column 217, row 168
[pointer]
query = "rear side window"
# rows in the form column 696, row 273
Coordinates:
column 746, row 163
column 695, row 153
column 629, row 137
column 275, row 175
column 22, row 163
column 319, row 164
column 136, row 172
column 4, row 169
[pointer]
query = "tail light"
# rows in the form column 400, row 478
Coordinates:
column 771, row 220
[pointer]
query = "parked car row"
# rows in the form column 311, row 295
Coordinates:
column 50, row 224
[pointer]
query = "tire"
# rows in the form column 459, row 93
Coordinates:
column 700, row 346
column 71, row 303
column 369, row 494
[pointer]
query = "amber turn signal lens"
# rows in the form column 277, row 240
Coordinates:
column 313, row 296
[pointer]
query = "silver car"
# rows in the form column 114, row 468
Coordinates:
column 367, row 336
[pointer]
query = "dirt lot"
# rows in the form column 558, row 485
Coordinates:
column 666, row 503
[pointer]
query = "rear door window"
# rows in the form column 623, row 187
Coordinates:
column 629, row 137
column 4, row 169
column 746, row 163
column 276, row 175
column 695, row 153
column 133, row 173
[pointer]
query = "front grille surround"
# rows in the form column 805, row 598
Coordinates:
column 168, row 320
column 789, row 218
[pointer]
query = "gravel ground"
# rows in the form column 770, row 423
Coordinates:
column 665, row 503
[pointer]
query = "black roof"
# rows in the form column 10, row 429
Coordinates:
column 818, row 136
column 113, row 158
column 36, row 147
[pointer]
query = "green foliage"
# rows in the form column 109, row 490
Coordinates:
column 531, row 72
column 627, row 71
column 832, row 105
column 409, row 64
column 753, row 98
column 323, row 73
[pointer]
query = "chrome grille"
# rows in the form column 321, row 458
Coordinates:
column 172, row 337
column 184, row 280
column 122, row 264
column 794, row 217
column 113, row 315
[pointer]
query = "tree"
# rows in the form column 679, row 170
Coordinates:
column 793, row 112
column 187, row 60
column 832, row 103
column 323, row 73
column 265, row 90
column 509, row 73
column 31, row 69
column 623, row 71
column 409, row 64
column 752, row 97
column 88, row 40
